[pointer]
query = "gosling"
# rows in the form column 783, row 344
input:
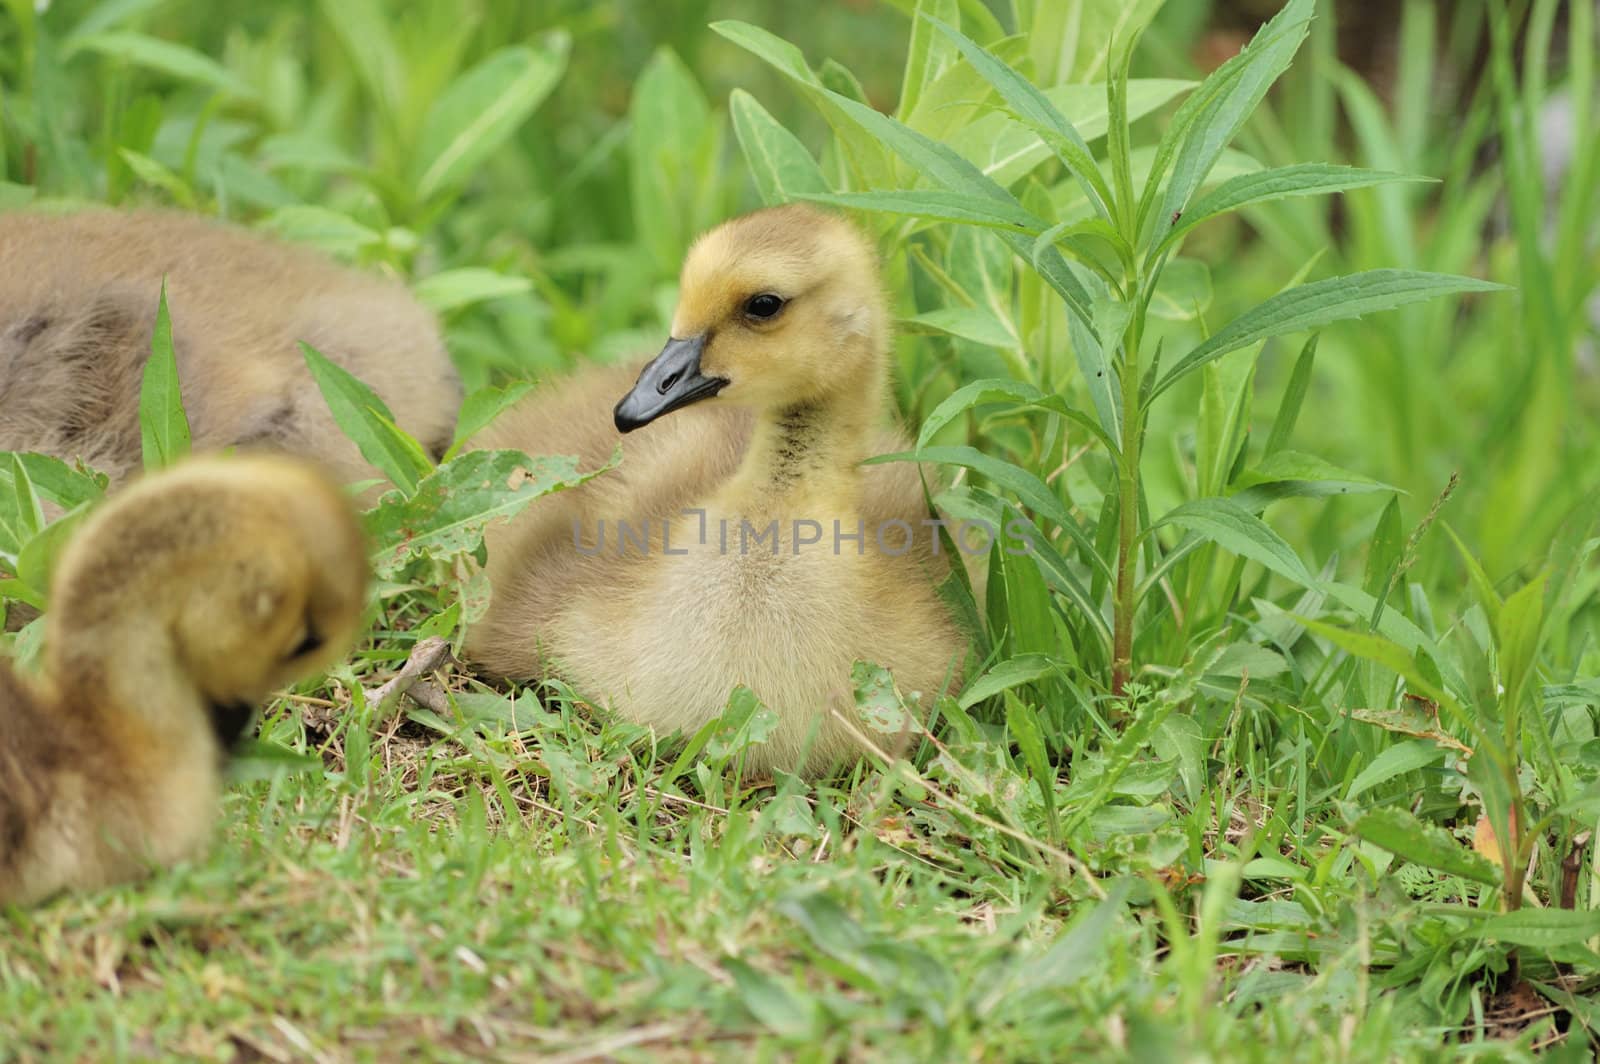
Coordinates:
column 772, row 558
column 78, row 300
column 176, row 607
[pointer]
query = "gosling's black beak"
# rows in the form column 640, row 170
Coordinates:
column 672, row 379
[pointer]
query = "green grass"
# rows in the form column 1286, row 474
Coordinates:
column 1204, row 796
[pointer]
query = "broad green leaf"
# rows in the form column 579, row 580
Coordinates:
column 174, row 60
column 864, row 153
column 453, row 289
column 1521, row 621
column 1232, row 527
column 1397, row 760
column 482, row 109
column 21, row 516
column 770, row 47
column 1005, row 676
column 743, row 723
column 1302, row 179
column 1395, row 829
column 449, row 508
column 781, row 166
column 36, row 561
column 969, row 323
column 1003, row 391
column 1036, row 111
column 984, row 269
column 68, row 486
column 1318, row 303
column 940, row 206
column 482, row 407
column 363, row 417
column 773, row 1004
column 163, row 426
column 1543, row 929
column 877, row 700
column 1321, row 477
column 672, row 140
column 1079, row 953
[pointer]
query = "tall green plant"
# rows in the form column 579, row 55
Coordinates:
column 1104, row 247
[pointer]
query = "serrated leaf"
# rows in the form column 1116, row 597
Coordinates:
column 1281, row 182
column 163, row 426
column 781, row 166
column 447, row 511
column 1282, row 466
column 1210, row 118
column 482, row 109
column 1394, row 829
column 64, row 484
column 1232, row 527
column 363, row 417
column 1318, row 303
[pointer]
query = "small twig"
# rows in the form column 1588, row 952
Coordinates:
column 430, row 695
column 428, row 655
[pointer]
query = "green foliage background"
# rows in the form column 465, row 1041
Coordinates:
column 1263, row 844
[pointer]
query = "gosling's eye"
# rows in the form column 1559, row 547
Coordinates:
column 311, row 643
column 764, row 306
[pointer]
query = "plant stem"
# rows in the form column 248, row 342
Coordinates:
column 1127, row 505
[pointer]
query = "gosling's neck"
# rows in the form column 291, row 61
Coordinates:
column 125, row 675
column 807, row 455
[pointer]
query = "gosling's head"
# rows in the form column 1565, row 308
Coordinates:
column 776, row 308
column 227, row 577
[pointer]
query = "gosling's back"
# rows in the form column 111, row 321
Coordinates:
column 78, row 298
